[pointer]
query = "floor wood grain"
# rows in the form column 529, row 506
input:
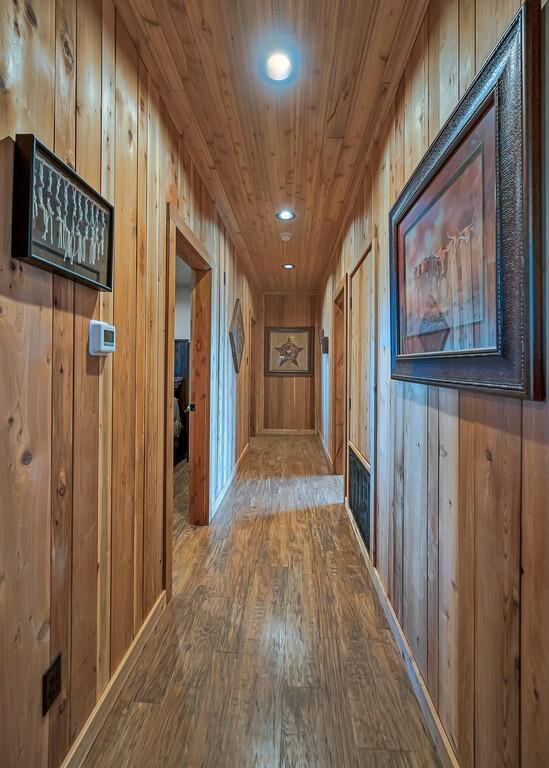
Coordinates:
column 274, row 650
column 180, row 499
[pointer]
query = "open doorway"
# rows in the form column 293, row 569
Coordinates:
column 188, row 350
column 184, row 279
column 339, row 380
column 254, row 355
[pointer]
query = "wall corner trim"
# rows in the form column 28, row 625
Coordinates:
column 432, row 721
column 85, row 740
column 223, row 492
column 326, row 453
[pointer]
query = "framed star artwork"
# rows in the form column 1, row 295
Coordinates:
column 289, row 351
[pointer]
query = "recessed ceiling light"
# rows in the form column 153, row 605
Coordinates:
column 285, row 214
column 285, row 236
column 288, row 266
column 278, row 66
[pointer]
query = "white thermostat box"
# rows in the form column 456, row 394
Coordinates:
column 102, row 338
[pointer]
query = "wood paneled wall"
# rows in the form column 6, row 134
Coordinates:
column 81, row 444
column 287, row 403
column 461, row 488
column 361, row 353
column 230, row 403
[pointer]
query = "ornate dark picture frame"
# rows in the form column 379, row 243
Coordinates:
column 501, row 305
column 289, row 352
column 237, row 336
column 60, row 223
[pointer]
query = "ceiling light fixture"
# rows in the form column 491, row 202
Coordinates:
column 278, row 58
column 288, row 266
column 285, row 214
column 278, row 66
column 285, row 236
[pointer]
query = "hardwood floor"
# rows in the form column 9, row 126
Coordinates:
column 180, row 499
column 274, row 650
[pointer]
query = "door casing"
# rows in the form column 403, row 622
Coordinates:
column 182, row 243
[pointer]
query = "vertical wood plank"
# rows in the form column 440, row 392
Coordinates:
column 104, row 519
column 395, row 402
column 25, row 492
column 123, row 455
column 379, row 358
column 415, row 590
column 434, row 484
column 535, row 529
column 84, row 560
column 62, row 397
column 456, row 598
column 467, row 44
column 65, row 80
column 86, row 387
column 497, row 483
column 214, row 372
column 221, row 350
column 27, row 102
column 443, row 534
column 27, row 64
column 497, row 461
column 491, row 22
column 62, row 508
column 152, row 557
column 437, row 45
column 140, row 340
column 457, row 681
column 456, row 612
column 535, row 588
column 414, row 593
column 161, row 332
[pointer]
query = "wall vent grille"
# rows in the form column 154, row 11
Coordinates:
column 359, row 496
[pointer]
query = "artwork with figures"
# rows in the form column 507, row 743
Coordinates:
column 288, row 351
column 70, row 224
column 448, row 253
column 464, row 238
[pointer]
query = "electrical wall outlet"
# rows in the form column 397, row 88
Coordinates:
column 51, row 684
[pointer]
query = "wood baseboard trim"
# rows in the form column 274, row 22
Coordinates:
column 432, row 721
column 296, row 432
column 85, row 739
column 326, row 453
column 223, row 492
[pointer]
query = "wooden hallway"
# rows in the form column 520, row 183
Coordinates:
column 274, row 650
column 274, row 371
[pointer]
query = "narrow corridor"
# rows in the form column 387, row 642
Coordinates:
column 274, row 649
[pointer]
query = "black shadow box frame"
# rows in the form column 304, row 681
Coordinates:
column 27, row 146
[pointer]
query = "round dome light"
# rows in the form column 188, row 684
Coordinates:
column 285, row 214
column 278, row 66
column 288, row 266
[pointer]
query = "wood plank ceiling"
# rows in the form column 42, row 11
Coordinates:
column 260, row 146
